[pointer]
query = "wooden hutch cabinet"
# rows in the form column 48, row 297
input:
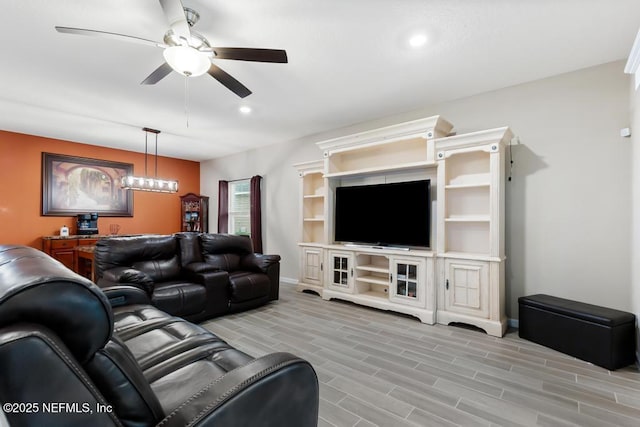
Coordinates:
column 195, row 213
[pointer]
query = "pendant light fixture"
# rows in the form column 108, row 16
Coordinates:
column 147, row 183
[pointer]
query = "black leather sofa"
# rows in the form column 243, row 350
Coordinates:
column 191, row 275
column 68, row 359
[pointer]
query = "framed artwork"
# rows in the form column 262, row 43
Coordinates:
column 73, row 185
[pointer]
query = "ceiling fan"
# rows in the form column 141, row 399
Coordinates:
column 188, row 52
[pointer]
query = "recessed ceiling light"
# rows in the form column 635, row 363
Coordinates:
column 418, row 40
column 245, row 109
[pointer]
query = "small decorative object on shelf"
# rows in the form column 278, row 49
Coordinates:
column 195, row 212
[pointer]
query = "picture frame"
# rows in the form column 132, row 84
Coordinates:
column 73, row 185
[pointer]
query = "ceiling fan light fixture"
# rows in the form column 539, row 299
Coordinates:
column 418, row 40
column 187, row 60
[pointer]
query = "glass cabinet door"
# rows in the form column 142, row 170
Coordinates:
column 341, row 272
column 407, row 280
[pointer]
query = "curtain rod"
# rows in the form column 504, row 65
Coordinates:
column 239, row 179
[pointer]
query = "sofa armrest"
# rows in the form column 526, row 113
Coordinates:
column 127, row 276
column 259, row 263
column 285, row 385
column 199, row 267
column 216, row 283
column 267, row 264
column 126, row 295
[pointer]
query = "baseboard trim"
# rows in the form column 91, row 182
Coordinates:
column 513, row 323
column 288, row 280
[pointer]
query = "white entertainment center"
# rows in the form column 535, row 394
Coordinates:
column 460, row 277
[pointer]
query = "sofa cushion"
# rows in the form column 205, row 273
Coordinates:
column 119, row 251
column 246, row 286
column 179, row 298
column 226, row 262
column 225, row 243
column 160, row 270
column 118, row 377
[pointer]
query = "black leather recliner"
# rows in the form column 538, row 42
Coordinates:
column 68, row 359
column 191, row 275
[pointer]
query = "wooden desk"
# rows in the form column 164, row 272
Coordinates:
column 83, row 261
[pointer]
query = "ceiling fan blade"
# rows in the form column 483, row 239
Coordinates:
column 230, row 82
column 249, row 54
column 115, row 36
column 174, row 11
column 160, row 73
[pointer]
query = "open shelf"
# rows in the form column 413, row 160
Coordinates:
column 467, row 218
column 313, row 207
column 378, row 156
column 370, row 170
column 313, row 203
column 313, row 185
column 467, row 237
column 374, row 268
column 374, row 280
column 313, row 230
column 465, row 186
column 468, row 169
column 372, row 275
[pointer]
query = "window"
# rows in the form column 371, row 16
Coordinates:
column 239, row 207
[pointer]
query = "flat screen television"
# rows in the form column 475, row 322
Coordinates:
column 395, row 214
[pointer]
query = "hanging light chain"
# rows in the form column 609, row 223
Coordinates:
column 146, row 183
column 186, row 98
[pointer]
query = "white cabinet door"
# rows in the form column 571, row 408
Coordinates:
column 340, row 271
column 467, row 287
column 408, row 281
column 312, row 265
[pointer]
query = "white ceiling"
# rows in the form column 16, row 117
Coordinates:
column 349, row 62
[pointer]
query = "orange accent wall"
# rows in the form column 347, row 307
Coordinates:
column 21, row 221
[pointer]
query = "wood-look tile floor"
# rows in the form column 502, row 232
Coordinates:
column 382, row 369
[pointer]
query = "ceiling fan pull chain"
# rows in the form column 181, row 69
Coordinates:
column 186, row 98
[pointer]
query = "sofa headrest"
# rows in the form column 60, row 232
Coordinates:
column 35, row 288
column 124, row 251
column 214, row 244
column 190, row 251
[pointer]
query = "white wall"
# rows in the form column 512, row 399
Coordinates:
column 635, row 198
column 568, row 204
